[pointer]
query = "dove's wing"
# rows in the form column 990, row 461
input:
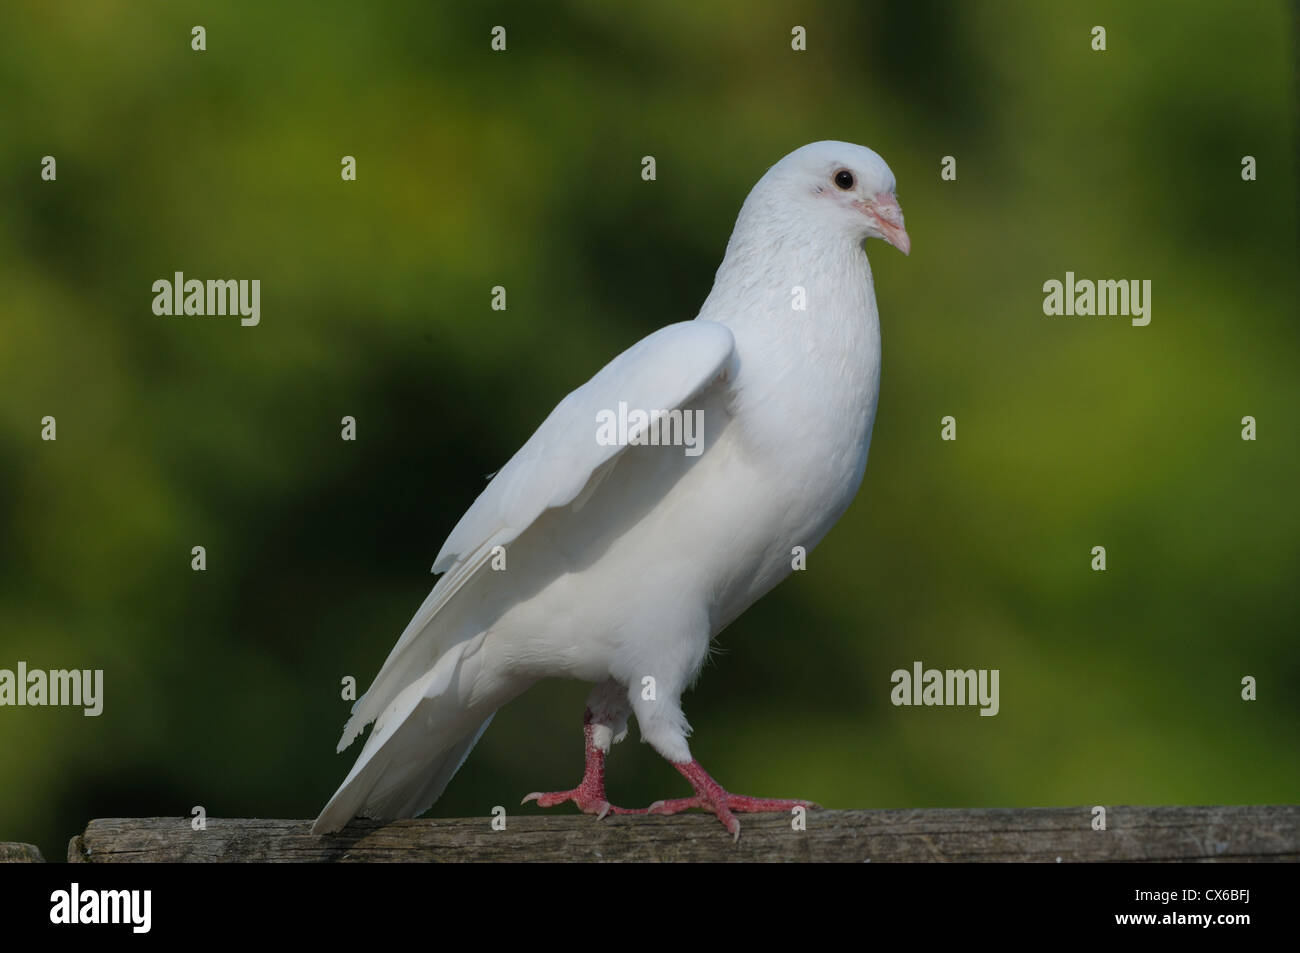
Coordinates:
column 560, row 461
column 662, row 371
column 423, row 702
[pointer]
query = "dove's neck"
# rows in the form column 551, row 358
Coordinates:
column 798, row 295
column 802, row 309
column 794, row 276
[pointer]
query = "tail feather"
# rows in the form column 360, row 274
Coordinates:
column 404, row 800
column 393, row 785
column 429, row 636
column 419, row 743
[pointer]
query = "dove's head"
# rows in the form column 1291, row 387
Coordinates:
column 844, row 188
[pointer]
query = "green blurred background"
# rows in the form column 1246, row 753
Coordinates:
column 523, row 169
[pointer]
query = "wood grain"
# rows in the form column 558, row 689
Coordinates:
column 1048, row 835
column 20, row 854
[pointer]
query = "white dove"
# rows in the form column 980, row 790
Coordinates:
column 623, row 559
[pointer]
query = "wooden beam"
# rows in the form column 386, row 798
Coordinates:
column 20, row 854
column 1049, row 835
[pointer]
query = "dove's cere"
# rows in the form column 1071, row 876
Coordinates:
column 597, row 533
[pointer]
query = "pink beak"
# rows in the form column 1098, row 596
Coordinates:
column 884, row 209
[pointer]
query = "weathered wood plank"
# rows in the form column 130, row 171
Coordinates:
column 20, row 854
column 1256, row 833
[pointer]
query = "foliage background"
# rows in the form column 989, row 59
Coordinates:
column 522, row 169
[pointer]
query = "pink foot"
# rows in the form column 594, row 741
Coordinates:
column 588, row 800
column 589, row 795
column 710, row 796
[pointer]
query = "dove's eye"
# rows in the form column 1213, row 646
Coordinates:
column 844, row 179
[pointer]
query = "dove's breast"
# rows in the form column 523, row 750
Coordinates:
column 803, row 411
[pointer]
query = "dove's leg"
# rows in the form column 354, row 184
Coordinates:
column 664, row 726
column 604, row 724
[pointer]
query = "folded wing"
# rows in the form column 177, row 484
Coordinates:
column 560, row 461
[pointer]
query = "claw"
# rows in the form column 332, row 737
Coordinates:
column 710, row 796
column 587, row 801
